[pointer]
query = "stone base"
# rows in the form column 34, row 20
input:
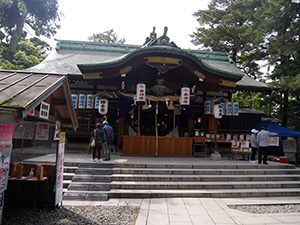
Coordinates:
column 215, row 156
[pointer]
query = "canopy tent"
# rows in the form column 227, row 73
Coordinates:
column 276, row 128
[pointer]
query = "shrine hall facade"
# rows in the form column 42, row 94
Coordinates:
column 153, row 92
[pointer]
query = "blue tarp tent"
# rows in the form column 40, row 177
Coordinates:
column 276, row 128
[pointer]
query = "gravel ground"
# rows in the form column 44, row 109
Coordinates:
column 69, row 215
column 266, row 209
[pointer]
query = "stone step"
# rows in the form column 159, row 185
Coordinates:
column 203, row 185
column 204, row 193
column 172, row 177
column 191, row 166
column 82, row 196
column 89, row 182
column 93, row 186
column 100, row 181
column 206, row 166
column 203, row 171
column 70, row 169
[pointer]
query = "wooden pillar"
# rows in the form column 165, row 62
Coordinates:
column 191, row 126
column 121, row 132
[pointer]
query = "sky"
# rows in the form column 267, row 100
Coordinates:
column 131, row 19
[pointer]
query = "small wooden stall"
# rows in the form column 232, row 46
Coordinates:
column 35, row 98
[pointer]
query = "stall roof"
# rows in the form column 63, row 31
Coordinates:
column 23, row 91
column 276, row 128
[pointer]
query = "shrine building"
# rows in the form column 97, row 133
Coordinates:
column 158, row 97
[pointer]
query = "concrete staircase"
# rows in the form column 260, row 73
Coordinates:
column 100, row 181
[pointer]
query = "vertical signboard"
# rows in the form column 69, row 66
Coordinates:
column 6, row 135
column 235, row 111
column 75, row 100
column 223, row 107
column 89, row 101
column 42, row 131
column 207, row 108
column 44, row 110
column 97, row 99
column 60, row 168
column 81, row 101
column 57, row 130
column 228, row 108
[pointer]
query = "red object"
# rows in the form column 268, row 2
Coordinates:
column 283, row 160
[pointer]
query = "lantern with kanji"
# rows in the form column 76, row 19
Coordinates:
column 140, row 93
column 185, row 97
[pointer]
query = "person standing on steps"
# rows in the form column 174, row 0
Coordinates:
column 263, row 143
column 108, row 137
column 254, row 144
column 97, row 134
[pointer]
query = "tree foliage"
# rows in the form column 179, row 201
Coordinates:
column 229, row 26
column 19, row 16
column 255, row 30
column 107, row 37
column 30, row 52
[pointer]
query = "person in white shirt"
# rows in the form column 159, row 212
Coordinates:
column 263, row 143
column 254, row 145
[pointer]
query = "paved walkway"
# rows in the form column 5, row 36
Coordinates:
column 189, row 211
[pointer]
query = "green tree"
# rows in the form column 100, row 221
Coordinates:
column 281, row 29
column 29, row 53
column 228, row 26
column 254, row 30
column 16, row 16
column 107, row 37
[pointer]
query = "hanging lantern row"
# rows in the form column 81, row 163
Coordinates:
column 140, row 97
column 85, row 101
column 222, row 108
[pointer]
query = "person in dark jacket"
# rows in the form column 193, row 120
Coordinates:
column 108, row 138
column 97, row 134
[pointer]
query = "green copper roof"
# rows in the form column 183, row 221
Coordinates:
column 89, row 56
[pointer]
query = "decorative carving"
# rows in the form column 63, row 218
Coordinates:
column 227, row 83
column 160, row 89
column 163, row 64
column 92, row 75
column 163, row 40
column 126, row 69
column 199, row 74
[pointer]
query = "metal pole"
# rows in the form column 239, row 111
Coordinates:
column 174, row 123
column 22, row 143
column 216, row 147
column 139, row 119
column 156, row 130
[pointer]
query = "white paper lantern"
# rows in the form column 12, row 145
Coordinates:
column 140, row 93
column 103, row 106
column 218, row 111
column 185, row 96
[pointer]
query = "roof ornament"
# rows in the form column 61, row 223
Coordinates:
column 151, row 39
column 163, row 40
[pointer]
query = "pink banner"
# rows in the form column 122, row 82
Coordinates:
column 6, row 133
